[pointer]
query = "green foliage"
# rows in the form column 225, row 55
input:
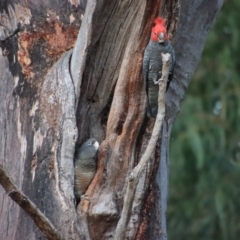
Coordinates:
column 204, row 191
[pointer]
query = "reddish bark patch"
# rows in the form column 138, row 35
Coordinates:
column 52, row 39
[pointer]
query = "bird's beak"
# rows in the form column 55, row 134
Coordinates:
column 161, row 38
column 96, row 145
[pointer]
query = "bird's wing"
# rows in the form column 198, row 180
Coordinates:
column 145, row 70
column 173, row 66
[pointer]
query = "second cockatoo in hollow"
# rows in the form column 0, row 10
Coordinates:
column 85, row 167
column 152, row 64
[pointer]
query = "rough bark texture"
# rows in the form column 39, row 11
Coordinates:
column 38, row 114
column 28, row 206
column 38, row 109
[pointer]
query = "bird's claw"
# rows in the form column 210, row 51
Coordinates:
column 158, row 81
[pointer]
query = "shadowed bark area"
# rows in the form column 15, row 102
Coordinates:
column 42, row 104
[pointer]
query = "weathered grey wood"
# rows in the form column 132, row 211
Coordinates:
column 38, row 142
column 12, row 144
column 28, row 206
column 80, row 50
column 57, row 107
column 56, row 113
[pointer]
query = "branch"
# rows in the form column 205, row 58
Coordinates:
column 28, row 206
column 138, row 170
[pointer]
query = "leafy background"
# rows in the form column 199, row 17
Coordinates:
column 204, row 197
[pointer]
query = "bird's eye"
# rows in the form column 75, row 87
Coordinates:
column 89, row 143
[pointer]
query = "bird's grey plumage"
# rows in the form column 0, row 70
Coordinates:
column 152, row 71
column 85, row 166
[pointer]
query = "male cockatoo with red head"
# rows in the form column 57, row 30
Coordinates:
column 152, row 64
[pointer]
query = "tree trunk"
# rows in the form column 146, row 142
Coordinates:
column 95, row 90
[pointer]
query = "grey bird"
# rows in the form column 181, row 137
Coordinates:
column 152, row 64
column 85, row 167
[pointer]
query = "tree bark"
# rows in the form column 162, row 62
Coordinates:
column 95, row 90
column 28, row 206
